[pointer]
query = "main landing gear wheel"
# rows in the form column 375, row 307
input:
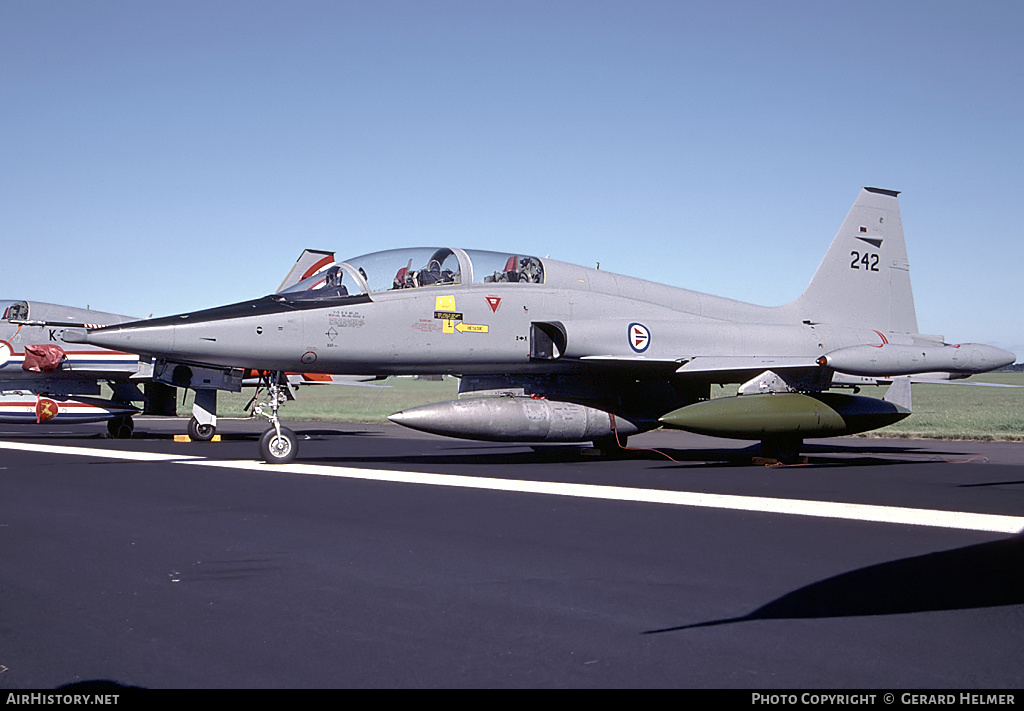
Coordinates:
column 200, row 433
column 278, row 448
column 785, row 449
column 120, row 428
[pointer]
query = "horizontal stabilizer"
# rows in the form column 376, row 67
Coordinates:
column 963, row 382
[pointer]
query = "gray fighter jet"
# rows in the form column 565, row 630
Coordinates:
column 553, row 352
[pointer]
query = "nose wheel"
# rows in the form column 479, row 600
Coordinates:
column 278, row 445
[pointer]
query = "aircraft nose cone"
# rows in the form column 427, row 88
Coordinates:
column 135, row 338
column 75, row 335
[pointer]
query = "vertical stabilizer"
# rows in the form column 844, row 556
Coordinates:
column 864, row 279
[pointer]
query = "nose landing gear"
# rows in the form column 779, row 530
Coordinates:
column 278, row 445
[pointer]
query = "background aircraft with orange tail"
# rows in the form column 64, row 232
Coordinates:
column 45, row 381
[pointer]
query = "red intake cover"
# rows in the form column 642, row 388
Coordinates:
column 43, row 359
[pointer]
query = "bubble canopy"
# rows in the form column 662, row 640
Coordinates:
column 418, row 268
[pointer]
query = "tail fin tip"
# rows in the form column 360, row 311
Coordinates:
column 883, row 191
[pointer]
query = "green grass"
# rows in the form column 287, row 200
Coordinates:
column 954, row 411
column 964, row 411
column 341, row 403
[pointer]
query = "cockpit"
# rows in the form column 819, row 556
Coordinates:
column 417, row 268
column 18, row 311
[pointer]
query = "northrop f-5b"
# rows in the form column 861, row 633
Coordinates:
column 552, row 352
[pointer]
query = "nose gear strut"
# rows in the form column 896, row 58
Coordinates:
column 278, row 445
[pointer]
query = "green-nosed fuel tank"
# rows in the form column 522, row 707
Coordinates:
column 771, row 414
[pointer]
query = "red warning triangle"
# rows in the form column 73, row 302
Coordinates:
column 493, row 302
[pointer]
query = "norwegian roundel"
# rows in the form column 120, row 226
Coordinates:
column 639, row 337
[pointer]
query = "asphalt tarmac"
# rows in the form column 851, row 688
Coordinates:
column 388, row 558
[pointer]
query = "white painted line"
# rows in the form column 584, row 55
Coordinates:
column 87, row 452
column 993, row 523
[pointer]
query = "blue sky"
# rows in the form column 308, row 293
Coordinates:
column 158, row 157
